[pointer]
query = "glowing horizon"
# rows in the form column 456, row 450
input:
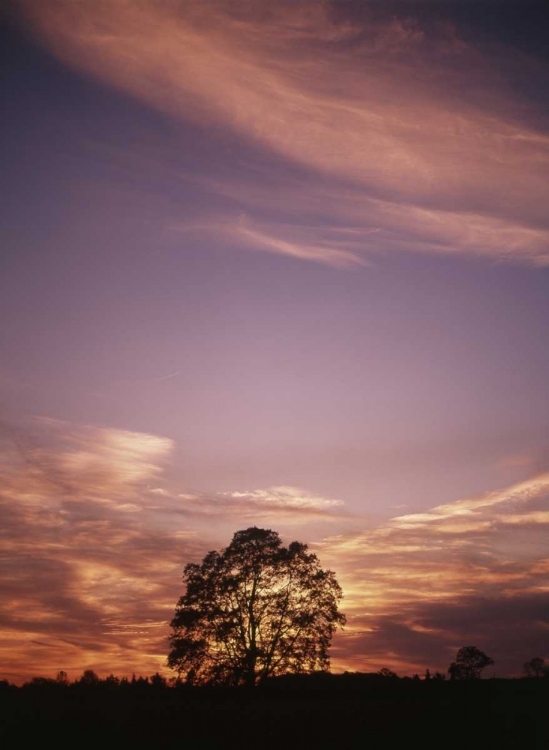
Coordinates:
column 280, row 264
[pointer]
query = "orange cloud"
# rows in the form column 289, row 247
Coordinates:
column 92, row 555
column 92, row 548
column 488, row 552
column 77, row 556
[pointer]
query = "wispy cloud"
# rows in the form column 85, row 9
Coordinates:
column 279, row 503
column 384, row 116
column 463, row 561
column 76, row 556
column 281, row 506
column 329, row 254
column 92, row 548
column 93, row 540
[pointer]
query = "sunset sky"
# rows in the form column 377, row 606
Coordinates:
column 282, row 264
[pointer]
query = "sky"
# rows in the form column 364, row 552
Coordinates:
column 281, row 264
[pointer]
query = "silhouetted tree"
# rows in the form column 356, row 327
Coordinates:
column 254, row 610
column 62, row 678
column 535, row 667
column 469, row 663
column 111, row 681
column 89, row 678
column 386, row 672
column 158, row 681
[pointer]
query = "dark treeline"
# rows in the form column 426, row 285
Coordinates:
column 344, row 711
column 384, row 678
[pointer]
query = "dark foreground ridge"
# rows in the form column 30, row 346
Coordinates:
column 322, row 710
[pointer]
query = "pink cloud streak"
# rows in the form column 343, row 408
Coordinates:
column 92, row 553
column 379, row 110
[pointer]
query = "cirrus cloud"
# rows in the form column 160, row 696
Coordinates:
column 92, row 546
column 411, row 129
column 421, row 585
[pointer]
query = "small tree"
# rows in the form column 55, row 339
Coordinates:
column 535, row 667
column 158, row 681
column 388, row 673
column 89, row 678
column 254, row 610
column 112, row 681
column 469, row 663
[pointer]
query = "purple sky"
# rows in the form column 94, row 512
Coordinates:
column 284, row 266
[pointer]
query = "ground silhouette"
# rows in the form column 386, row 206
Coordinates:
column 294, row 711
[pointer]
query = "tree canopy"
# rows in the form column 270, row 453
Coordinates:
column 535, row 667
column 469, row 663
column 254, row 610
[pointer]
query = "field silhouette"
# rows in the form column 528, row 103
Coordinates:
column 323, row 710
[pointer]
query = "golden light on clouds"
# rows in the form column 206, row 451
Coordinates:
column 460, row 558
column 90, row 549
column 278, row 264
column 105, row 581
